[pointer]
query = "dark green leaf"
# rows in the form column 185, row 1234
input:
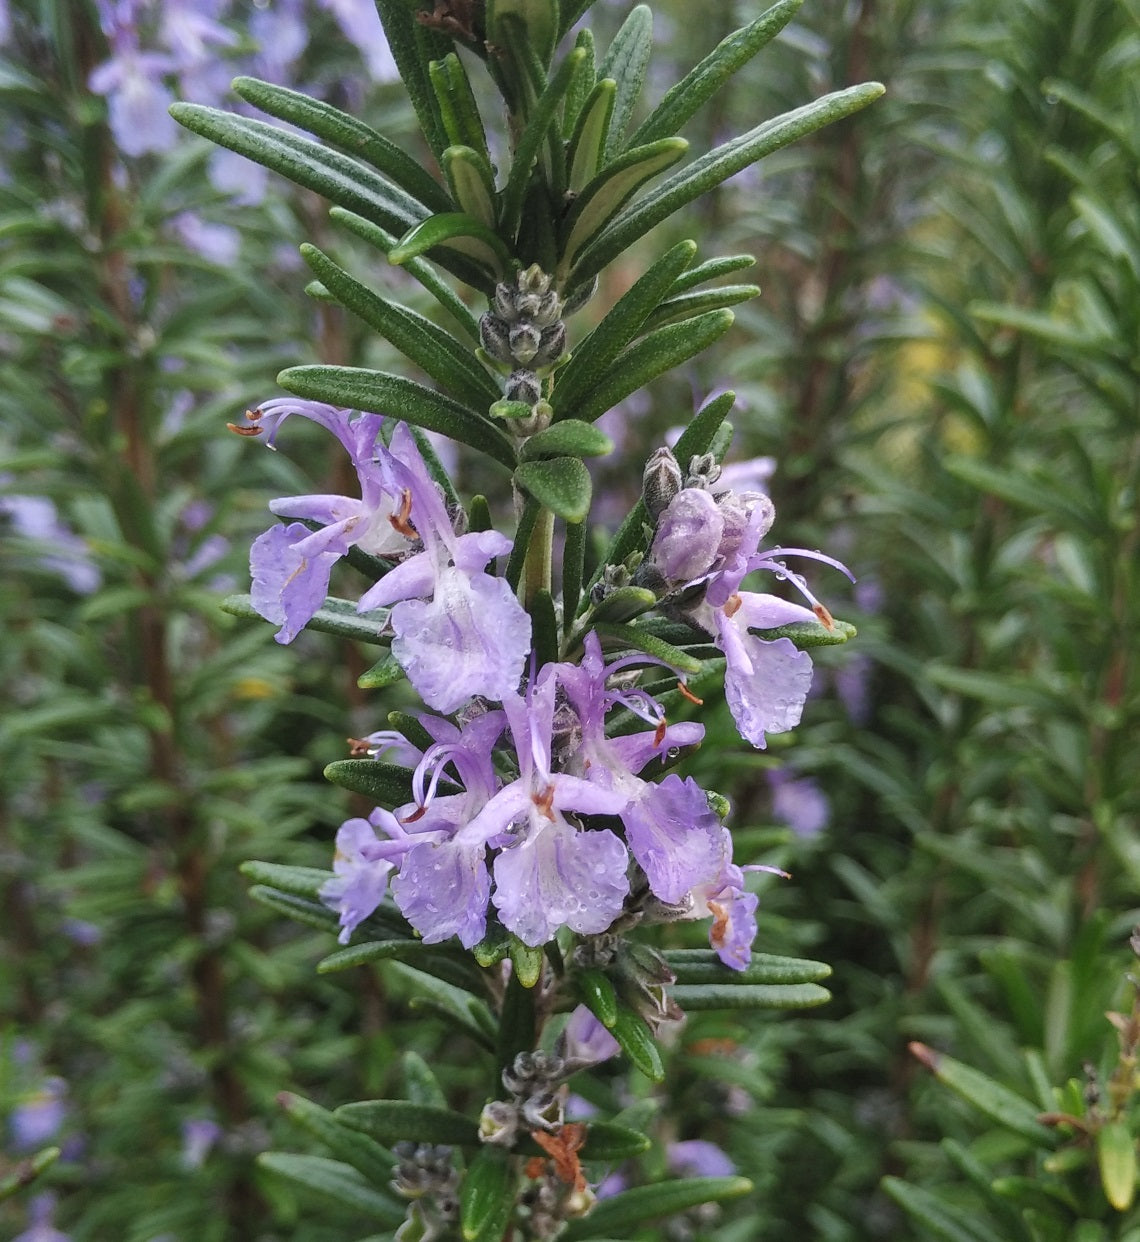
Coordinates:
column 527, row 961
column 691, row 304
column 573, row 566
column 347, row 132
column 26, row 1171
column 390, row 1121
column 544, row 628
column 808, row 634
column 461, row 234
column 626, row 63
column 703, row 966
column 582, row 83
column 385, row 783
column 531, row 140
column 608, row 192
column 457, row 107
column 606, row 1140
column 444, row 963
column 588, row 142
column 300, row 881
column 938, row 1219
column 397, row 397
column 569, row 438
column 538, row 18
column 686, row 98
column 648, row 358
column 414, row 47
column 718, row 165
column 621, row 324
column 421, row 269
column 486, row 1188
column 339, row 178
column 598, row 995
column 693, row 997
column 711, row 269
column 624, row 1212
column 427, row 345
column 561, row 485
column 364, row 1154
column 638, row 1044
column 336, row 616
column 337, row 1181
column 311, row 913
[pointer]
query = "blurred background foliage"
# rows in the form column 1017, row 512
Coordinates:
column 943, row 366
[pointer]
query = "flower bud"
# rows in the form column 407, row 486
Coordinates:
column 688, row 537
column 660, row 482
column 703, row 471
column 524, row 340
column 494, row 333
column 523, row 386
column 552, row 345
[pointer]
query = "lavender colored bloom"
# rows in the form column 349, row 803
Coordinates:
column 698, row 1158
column 199, row 1134
column 549, row 872
column 361, row 26
column 798, row 802
column 444, row 885
column 281, row 34
column 291, row 565
column 733, row 911
column 459, row 632
column 5, row 23
column 37, row 1119
column 64, row 553
column 216, row 243
column 40, row 1212
column 191, row 31
column 137, row 99
column 362, row 864
column 585, row 1039
column 233, row 174
column 670, row 829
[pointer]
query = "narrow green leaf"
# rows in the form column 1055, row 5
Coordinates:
column 607, row 1140
column 711, row 269
column 538, row 18
column 421, row 269
column 336, row 616
column 624, row 604
column 384, row 673
column 1116, row 1158
column 311, row 913
column 411, row 728
column 626, row 637
column 937, row 1219
column 472, row 183
column 808, row 634
column 626, row 63
column 365, row 1155
column 654, row 355
column 457, row 107
column 300, row 881
column 523, row 531
column 609, row 191
column 26, row 1171
column 561, row 485
column 486, row 1187
column 544, row 628
column 621, row 324
column 332, row 1179
column 459, row 233
column 638, row 1044
column 413, row 48
column 348, row 133
column 531, row 139
column 689, row 305
column 420, row 1083
column 569, row 438
column 339, row 178
column 582, row 83
column 598, row 995
column 686, row 98
column 698, row 996
column 588, row 142
column 390, row 1121
column 718, row 165
column 573, row 568
column 382, row 393
column 387, row 784
column 442, row 963
column 703, row 966
column 996, row 1101
column 437, row 352
column 622, row 1213
column 527, row 961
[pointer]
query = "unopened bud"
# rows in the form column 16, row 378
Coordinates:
column 524, row 339
column 494, row 333
column 660, row 482
column 703, row 471
column 523, row 386
column 552, row 345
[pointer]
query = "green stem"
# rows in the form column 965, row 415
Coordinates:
column 539, row 554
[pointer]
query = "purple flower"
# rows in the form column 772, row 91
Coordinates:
column 291, row 565
column 137, row 100
column 64, row 553
column 798, row 802
column 362, row 864
column 670, row 829
column 733, row 911
column 458, row 631
column 37, row 1119
column 585, row 1039
column 549, row 872
column 360, row 24
column 216, row 243
column 698, row 1158
column 444, row 885
column 40, row 1213
column 199, row 1134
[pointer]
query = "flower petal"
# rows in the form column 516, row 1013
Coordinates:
column 675, row 837
column 288, row 586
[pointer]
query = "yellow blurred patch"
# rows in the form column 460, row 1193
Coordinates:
column 254, row 688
